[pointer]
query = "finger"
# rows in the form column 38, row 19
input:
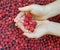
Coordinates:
column 22, row 19
column 16, row 24
column 29, row 35
column 18, row 17
column 20, row 25
column 27, row 8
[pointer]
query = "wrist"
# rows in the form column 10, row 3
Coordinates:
column 54, row 28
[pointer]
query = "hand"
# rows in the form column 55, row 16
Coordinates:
column 37, row 11
column 40, row 30
column 42, row 12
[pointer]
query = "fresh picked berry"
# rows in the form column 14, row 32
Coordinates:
column 29, row 24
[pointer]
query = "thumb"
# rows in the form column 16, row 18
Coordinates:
column 26, row 8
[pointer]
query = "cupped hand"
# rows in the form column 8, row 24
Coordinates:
column 40, row 30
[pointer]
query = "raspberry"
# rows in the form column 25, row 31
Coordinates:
column 29, row 23
column 27, row 27
column 31, row 29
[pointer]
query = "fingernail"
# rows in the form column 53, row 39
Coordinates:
column 19, row 8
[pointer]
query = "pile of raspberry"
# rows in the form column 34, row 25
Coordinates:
column 12, row 38
column 29, row 23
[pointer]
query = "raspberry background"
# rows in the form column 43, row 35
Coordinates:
column 11, row 37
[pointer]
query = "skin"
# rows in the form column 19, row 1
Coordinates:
column 44, row 12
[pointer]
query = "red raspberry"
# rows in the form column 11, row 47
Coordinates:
column 29, row 23
column 27, row 27
column 32, row 23
column 31, row 29
column 26, row 23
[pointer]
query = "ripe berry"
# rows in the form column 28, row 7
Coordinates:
column 27, row 27
column 31, row 29
column 29, row 23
